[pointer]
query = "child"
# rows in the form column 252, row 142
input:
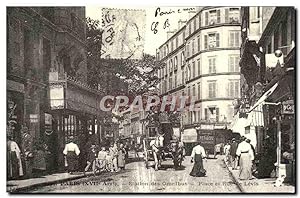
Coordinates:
column 102, row 159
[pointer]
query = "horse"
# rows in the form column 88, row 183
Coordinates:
column 157, row 146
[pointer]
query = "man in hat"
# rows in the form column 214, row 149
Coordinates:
column 71, row 152
column 232, row 157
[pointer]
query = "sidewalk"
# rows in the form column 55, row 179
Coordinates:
column 26, row 184
column 260, row 185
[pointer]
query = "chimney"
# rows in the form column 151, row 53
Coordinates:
column 181, row 24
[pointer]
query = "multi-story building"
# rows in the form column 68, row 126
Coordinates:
column 47, row 77
column 202, row 60
column 268, row 89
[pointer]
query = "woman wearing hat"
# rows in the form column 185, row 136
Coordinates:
column 71, row 152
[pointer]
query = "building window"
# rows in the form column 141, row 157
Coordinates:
column 176, row 41
column 175, row 79
column 175, row 63
column 198, row 67
column 212, row 114
column 193, row 69
column 234, row 39
column 193, row 46
column 190, row 29
column 198, row 43
column 211, row 40
column 234, row 87
column 189, row 91
column 199, row 91
column 212, row 89
column 212, row 65
column 182, row 77
column 188, row 50
column 234, row 15
column 182, row 59
column 170, row 83
column 167, row 49
column 171, row 66
column 172, row 46
column 212, row 17
column 194, row 90
column 234, row 63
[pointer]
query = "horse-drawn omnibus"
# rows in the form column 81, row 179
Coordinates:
column 161, row 144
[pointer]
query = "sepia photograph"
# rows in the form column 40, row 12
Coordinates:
column 132, row 99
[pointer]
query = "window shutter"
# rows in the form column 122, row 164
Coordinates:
column 205, row 114
column 237, row 67
column 226, row 15
column 214, row 65
column 214, row 90
column 217, row 114
column 199, row 68
column 237, row 39
column 230, row 89
column 205, row 41
column 231, row 64
column 198, row 43
column 236, row 89
column 217, row 40
column 206, row 18
column 218, row 16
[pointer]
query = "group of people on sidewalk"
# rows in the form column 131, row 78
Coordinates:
column 27, row 159
column 241, row 154
column 112, row 159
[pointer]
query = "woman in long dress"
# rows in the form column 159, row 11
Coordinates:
column 71, row 151
column 14, row 163
column 244, row 151
column 121, row 157
column 198, row 154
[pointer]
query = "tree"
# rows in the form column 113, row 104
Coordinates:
column 118, row 76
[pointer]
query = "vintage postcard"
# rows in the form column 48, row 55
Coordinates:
column 151, row 99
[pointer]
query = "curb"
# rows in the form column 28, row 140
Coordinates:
column 235, row 180
column 27, row 188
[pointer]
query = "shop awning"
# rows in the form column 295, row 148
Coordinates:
column 255, row 117
column 189, row 135
column 264, row 97
column 238, row 125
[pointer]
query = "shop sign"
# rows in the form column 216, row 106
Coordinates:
column 57, row 96
column 288, row 107
column 206, row 137
column 207, row 126
column 272, row 60
column 34, row 118
column 15, row 86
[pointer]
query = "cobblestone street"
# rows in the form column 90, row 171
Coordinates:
column 136, row 178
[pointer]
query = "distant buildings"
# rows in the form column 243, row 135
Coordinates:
column 202, row 60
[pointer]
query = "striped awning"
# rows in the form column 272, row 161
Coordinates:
column 256, row 117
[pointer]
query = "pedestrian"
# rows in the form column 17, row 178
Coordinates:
column 14, row 161
column 217, row 150
column 27, row 150
column 227, row 153
column 198, row 153
column 233, row 157
column 102, row 159
column 121, row 157
column 39, row 158
column 71, row 152
column 113, row 153
column 244, row 151
column 91, row 161
column 253, row 150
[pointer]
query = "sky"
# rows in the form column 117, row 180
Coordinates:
column 152, row 40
